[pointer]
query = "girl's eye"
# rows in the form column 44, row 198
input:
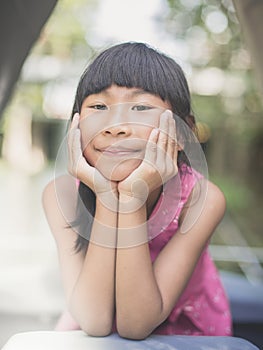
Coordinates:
column 141, row 108
column 100, row 107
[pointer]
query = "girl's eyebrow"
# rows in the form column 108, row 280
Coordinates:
column 139, row 92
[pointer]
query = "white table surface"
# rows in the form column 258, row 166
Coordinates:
column 78, row 340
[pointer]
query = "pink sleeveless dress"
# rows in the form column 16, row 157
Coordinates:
column 203, row 308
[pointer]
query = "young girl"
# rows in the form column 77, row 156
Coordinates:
column 132, row 229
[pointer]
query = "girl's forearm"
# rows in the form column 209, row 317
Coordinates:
column 93, row 298
column 138, row 299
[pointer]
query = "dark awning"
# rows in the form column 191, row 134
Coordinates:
column 20, row 26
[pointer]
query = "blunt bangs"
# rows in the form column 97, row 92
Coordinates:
column 136, row 65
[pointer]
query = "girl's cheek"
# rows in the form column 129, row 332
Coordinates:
column 149, row 119
column 88, row 156
column 90, row 127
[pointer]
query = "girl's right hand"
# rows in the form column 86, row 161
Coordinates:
column 82, row 170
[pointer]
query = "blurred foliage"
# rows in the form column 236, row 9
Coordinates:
column 236, row 110
column 234, row 113
column 64, row 34
column 224, row 48
column 237, row 195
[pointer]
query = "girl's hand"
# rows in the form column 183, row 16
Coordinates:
column 80, row 168
column 159, row 163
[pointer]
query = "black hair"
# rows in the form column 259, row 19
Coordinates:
column 131, row 65
column 136, row 65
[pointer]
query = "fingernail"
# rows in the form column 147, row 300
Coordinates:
column 75, row 118
column 167, row 113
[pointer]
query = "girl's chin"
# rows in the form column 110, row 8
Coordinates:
column 116, row 176
column 120, row 172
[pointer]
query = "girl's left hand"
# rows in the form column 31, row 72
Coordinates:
column 159, row 163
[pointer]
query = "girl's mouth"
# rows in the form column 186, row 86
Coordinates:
column 119, row 152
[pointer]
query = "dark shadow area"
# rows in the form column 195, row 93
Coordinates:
column 20, row 26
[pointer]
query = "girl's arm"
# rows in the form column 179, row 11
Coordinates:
column 146, row 293
column 88, row 280
column 93, row 297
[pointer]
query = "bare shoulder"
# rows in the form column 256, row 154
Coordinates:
column 204, row 208
column 215, row 198
column 211, row 207
column 64, row 186
column 48, row 194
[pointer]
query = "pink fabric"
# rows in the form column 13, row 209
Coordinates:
column 203, row 308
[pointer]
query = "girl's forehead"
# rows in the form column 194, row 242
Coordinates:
column 121, row 94
column 115, row 90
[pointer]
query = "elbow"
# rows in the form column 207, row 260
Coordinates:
column 97, row 329
column 96, row 325
column 92, row 332
column 132, row 334
column 93, row 322
column 132, row 330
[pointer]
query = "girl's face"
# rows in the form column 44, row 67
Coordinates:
column 115, row 125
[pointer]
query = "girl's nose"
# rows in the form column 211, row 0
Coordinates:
column 118, row 121
column 118, row 130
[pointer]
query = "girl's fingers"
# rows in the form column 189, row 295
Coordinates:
column 73, row 126
column 171, row 144
column 75, row 121
column 151, row 147
column 74, row 144
column 163, row 138
column 167, row 146
column 171, row 154
column 164, row 130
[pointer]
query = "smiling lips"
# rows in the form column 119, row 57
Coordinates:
column 119, row 152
